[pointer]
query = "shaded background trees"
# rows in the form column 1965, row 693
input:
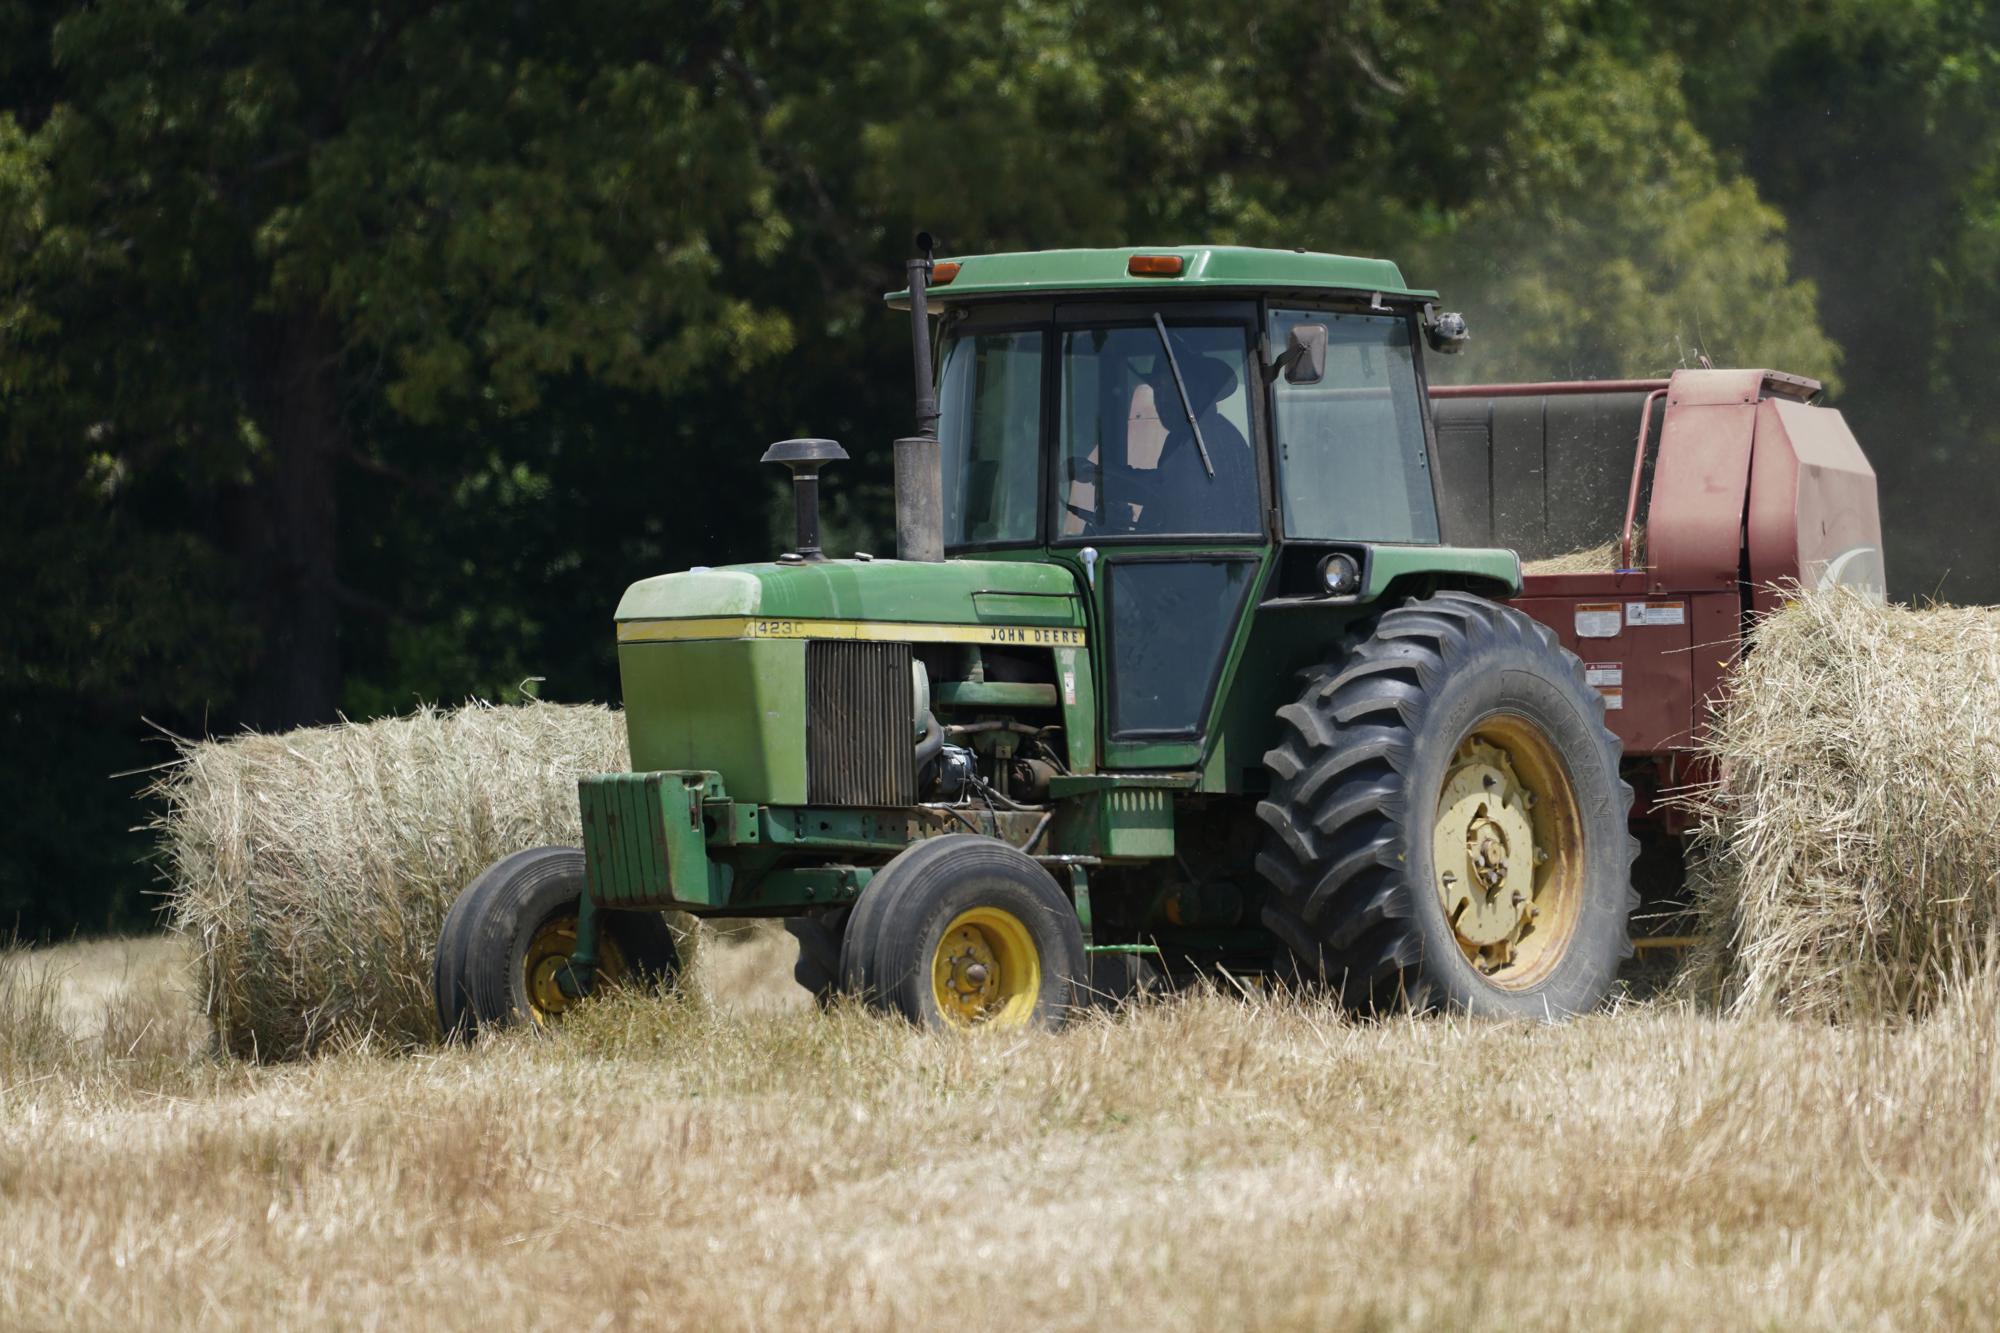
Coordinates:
column 359, row 355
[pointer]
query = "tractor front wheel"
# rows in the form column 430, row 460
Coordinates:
column 504, row 954
column 1446, row 824
column 965, row 932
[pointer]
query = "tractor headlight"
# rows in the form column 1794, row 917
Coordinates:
column 1340, row 575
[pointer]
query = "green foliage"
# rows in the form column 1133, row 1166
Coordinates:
column 355, row 355
column 1875, row 128
column 1610, row 242
column 73, row 860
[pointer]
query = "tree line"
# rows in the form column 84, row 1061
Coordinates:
column 352, row 356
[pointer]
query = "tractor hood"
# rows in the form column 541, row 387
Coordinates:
column 822, row 595
column 714, row 662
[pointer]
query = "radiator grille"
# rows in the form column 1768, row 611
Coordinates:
column 860, row 734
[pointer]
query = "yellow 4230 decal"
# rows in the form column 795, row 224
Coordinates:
column 881, row 631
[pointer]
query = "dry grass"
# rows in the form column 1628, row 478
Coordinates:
column 738, row 1160
column 313, row 869
column 730, row 1157
column 1854, row 835
column 96, row 982
column 1599, row 559
column 98, row 1018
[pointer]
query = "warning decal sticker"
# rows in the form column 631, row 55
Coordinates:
column 1604, row 673
column 1613, row 699
column 1597, row 620
column 1656, row 613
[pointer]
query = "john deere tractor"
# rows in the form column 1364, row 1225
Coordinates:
column 1174, row 674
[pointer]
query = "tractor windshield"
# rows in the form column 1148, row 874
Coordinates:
column 1132, row 459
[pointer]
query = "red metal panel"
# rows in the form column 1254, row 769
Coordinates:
column 1813, row 514
column 1716, row 388
column 1701, row 483
column 1633, row 642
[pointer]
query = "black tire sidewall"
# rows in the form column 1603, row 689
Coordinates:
column 508, row 904
column 504, row 908
column 892, row 941
column 454, row 1005
column 1514, row 679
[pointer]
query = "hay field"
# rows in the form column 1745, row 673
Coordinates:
column 734, row 1159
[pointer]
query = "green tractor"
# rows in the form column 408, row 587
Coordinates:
column 1173, row 676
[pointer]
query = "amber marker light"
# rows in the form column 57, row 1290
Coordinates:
column 944, row 272
column 1154, row 266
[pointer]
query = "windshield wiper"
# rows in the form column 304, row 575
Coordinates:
column 1181, row 388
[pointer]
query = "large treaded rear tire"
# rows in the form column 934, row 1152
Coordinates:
column 1356, row 777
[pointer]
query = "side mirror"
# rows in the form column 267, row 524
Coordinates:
column 1447, row 333
column 1304, row 360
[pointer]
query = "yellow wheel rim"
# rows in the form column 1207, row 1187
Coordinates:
column 1507, row 852
column 548, row 958
column 986, row 971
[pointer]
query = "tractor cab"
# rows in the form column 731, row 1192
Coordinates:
column 1187, row 429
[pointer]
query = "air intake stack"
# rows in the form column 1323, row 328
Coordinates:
column 805, row 458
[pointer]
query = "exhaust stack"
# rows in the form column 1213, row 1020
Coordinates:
column 919, row 465
column 919, row 499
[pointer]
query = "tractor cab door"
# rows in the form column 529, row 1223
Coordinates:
column 1159, row 498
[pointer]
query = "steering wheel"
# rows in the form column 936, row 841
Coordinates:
column 1129, row 486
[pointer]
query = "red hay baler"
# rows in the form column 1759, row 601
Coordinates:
column 1721, row 489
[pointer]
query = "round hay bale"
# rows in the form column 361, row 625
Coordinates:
column 312, row 870
column 1850, row 866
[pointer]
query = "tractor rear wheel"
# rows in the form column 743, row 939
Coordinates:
column 1446, row 824
column 506, row 944
column 963, row 931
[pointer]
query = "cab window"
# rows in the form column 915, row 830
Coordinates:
column 989, row 429
column 1352, row 464
column 1131, row 461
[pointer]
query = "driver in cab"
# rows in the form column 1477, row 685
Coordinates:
column 1164, row 477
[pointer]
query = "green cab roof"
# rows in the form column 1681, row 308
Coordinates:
column 1034, row 272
